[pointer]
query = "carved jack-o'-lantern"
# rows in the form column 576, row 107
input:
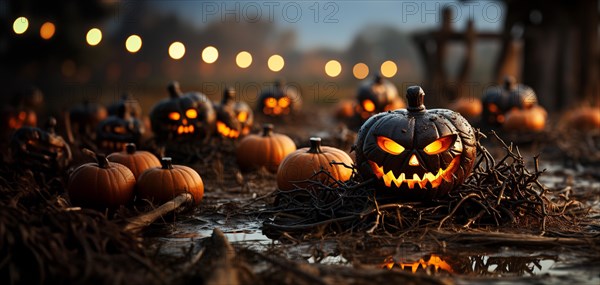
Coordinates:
column 84, row 119
column 415, row 153
column 115, row 132
column 377, row 95
column 133, row 105
column 21, row 111
column 279, row 100
column 432, row 261
column 182, row 117
column 41, row 150
column 233, row 118
column 498, row 100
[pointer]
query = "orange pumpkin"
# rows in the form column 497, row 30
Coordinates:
column 585, row 118
column 266, row 150
column 162, row 184
column 102, row 184
column 469, row 108
column 304, row 163
column 525, row 120
column 136, row 160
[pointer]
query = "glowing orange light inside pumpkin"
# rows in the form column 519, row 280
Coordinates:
column 227, row 132
column 413, row 161
column 434, row 261
column 434, row 179
column 270, row 102
column 440, row 145
column 283, row 102
column 493, row 108
column 242, row 117
column 174, row 116
column 185, row 129
column 389, row 145
column 368, row 105
column 191, row 113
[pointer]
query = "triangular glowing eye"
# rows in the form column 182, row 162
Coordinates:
column 242, row 117
column 174, row 116
column 270, row 102
column 284, row 102
column 191, row 113
column 440, row 145
column 389, row 145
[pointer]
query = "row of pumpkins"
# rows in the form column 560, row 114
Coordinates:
column 411, row 153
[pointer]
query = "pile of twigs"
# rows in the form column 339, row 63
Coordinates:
column 497, row 193
column 43, row 240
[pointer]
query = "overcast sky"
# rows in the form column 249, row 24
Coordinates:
column 334, row 23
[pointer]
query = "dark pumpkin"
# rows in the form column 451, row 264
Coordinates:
column 183, row 117
column 377, row 95
column 116, row 131
column 415, row 153
column 101, row 184
column 498, row 100
column 279, row 100
column 84, row 119
column 133, row 105
column 161, row 184
column 137, row 161
column 304, row 163
column 233, row 118
column 40, row 150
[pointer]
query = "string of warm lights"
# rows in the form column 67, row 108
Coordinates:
column 210, row 54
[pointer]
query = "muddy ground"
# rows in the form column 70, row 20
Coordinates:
column 228, row 240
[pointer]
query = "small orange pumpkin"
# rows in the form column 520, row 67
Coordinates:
column 525, row 120
column 470, row 108
column 266, row 150
column 102, row 184
column 584, row 118
column 162, row 184
column 136, row 160
column 302, row 165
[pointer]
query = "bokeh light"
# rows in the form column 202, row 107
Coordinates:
column 389, row 69
column 210, row 54
column 333, row 68
column 47, row 30
column 360, row 70
column 243, row 59
column 133, row 43
column 94, row 36
column 276, row 63
column 176, row 50
column 20, row 25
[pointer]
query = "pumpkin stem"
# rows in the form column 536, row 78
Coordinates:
column 101, row 160
column 174, row 89
column 378, row 79
column 130, row 148
column 416, row 98
column 315, row 145
column 228, row 95
column 166, row 163
column 267, row 130
column 509, row 82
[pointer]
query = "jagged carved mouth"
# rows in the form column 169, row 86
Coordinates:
column 434, row 180
column 434, row 261
column 189, row 129
column 114, row 145
column 226, row 131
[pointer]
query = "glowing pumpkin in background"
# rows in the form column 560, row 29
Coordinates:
column 415, row 153
column 525, row 120
column 183, row 117
column 377, row 95
column 279, row 100
column 116, row 131
column 21, row 111
column 470, row 108
column 40, row 150
column 233, row 118
column 498, row 100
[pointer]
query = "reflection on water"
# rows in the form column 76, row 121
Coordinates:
column 477, row 265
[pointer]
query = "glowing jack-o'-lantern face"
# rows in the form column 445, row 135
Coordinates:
column 377, row 95
column 114, row 132
column 416, row 153
column 183, row 117
column 498, row 100
column 233, row 118
column 279, row 101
